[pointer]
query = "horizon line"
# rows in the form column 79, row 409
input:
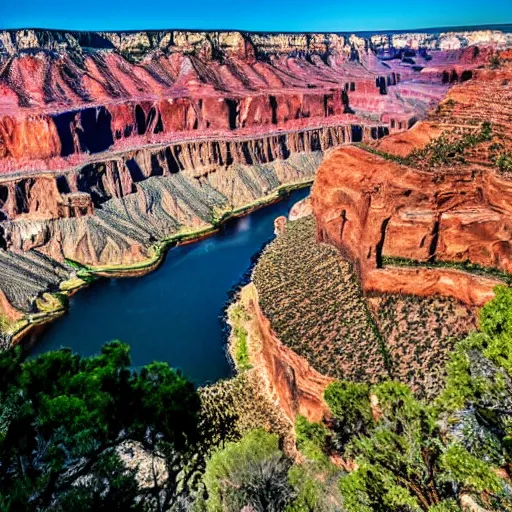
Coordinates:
column 447, row 28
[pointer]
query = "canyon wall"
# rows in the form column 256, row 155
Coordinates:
column 374, row 209
column 436, row 213
column 112, row 143
column 66, row 95
column 288, row 378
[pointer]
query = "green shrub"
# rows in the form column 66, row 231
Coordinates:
column 306, row 431
column 252, row 472
column 350, row 407
column 504, row 162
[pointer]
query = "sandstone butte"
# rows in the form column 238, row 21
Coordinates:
column 114, row 144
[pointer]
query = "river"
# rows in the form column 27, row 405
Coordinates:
column 174, row 314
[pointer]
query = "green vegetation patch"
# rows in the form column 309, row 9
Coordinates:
column 412, row 455
column 315, row 305
column 239, row 335
column 464, row 266
column 254, row 474
column 447, row 149
column 63, row 417
column 233, row 407
column 504, row 162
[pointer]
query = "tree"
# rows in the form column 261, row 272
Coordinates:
column 477, row 399
column 62, row 418
column 403, row 463
column 252, row 473
column 398, row 460
column 350, row 407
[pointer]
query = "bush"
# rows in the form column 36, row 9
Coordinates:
column 504, row 162
column 306, row 431
column 252, row 472
column 495, row 61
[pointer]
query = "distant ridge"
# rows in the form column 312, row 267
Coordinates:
column 505, row 27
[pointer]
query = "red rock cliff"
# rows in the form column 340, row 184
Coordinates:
column 372, row 208
column 289, row 379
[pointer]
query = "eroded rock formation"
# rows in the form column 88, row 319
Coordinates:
column 288, row 378
column 450, row 204
column 111, row 143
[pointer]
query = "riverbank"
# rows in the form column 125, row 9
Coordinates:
column 187, row 236
column 229, row 237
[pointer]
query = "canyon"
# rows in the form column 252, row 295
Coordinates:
column 115, row 145
column 318, row 231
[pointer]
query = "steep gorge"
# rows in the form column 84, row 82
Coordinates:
column 112, row 143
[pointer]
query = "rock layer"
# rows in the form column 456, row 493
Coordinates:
column 65, row 95
column 111, row 143
column 434, row 212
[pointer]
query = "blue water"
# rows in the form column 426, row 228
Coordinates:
column 173, row 314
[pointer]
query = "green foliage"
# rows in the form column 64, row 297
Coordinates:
column 398, row 459
column 313, row 441
column 368, row 489
column 504, row 162
column 449, row 505
column 460, row 385
column 251, row 472
column 470, row 472
column 237, row 315
column 242, row 352
column 496, row 316
column 477, row 400
column 254, row 473
column 62, row 418
column 349, row 404
column 492, row 347
column 447, row 149
column 315, row 479
column 233, row 407
column 314, row 492
column 311, row 490
column 310, row 432
column 403, row 461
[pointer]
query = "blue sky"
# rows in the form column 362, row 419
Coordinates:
column 324, row 15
